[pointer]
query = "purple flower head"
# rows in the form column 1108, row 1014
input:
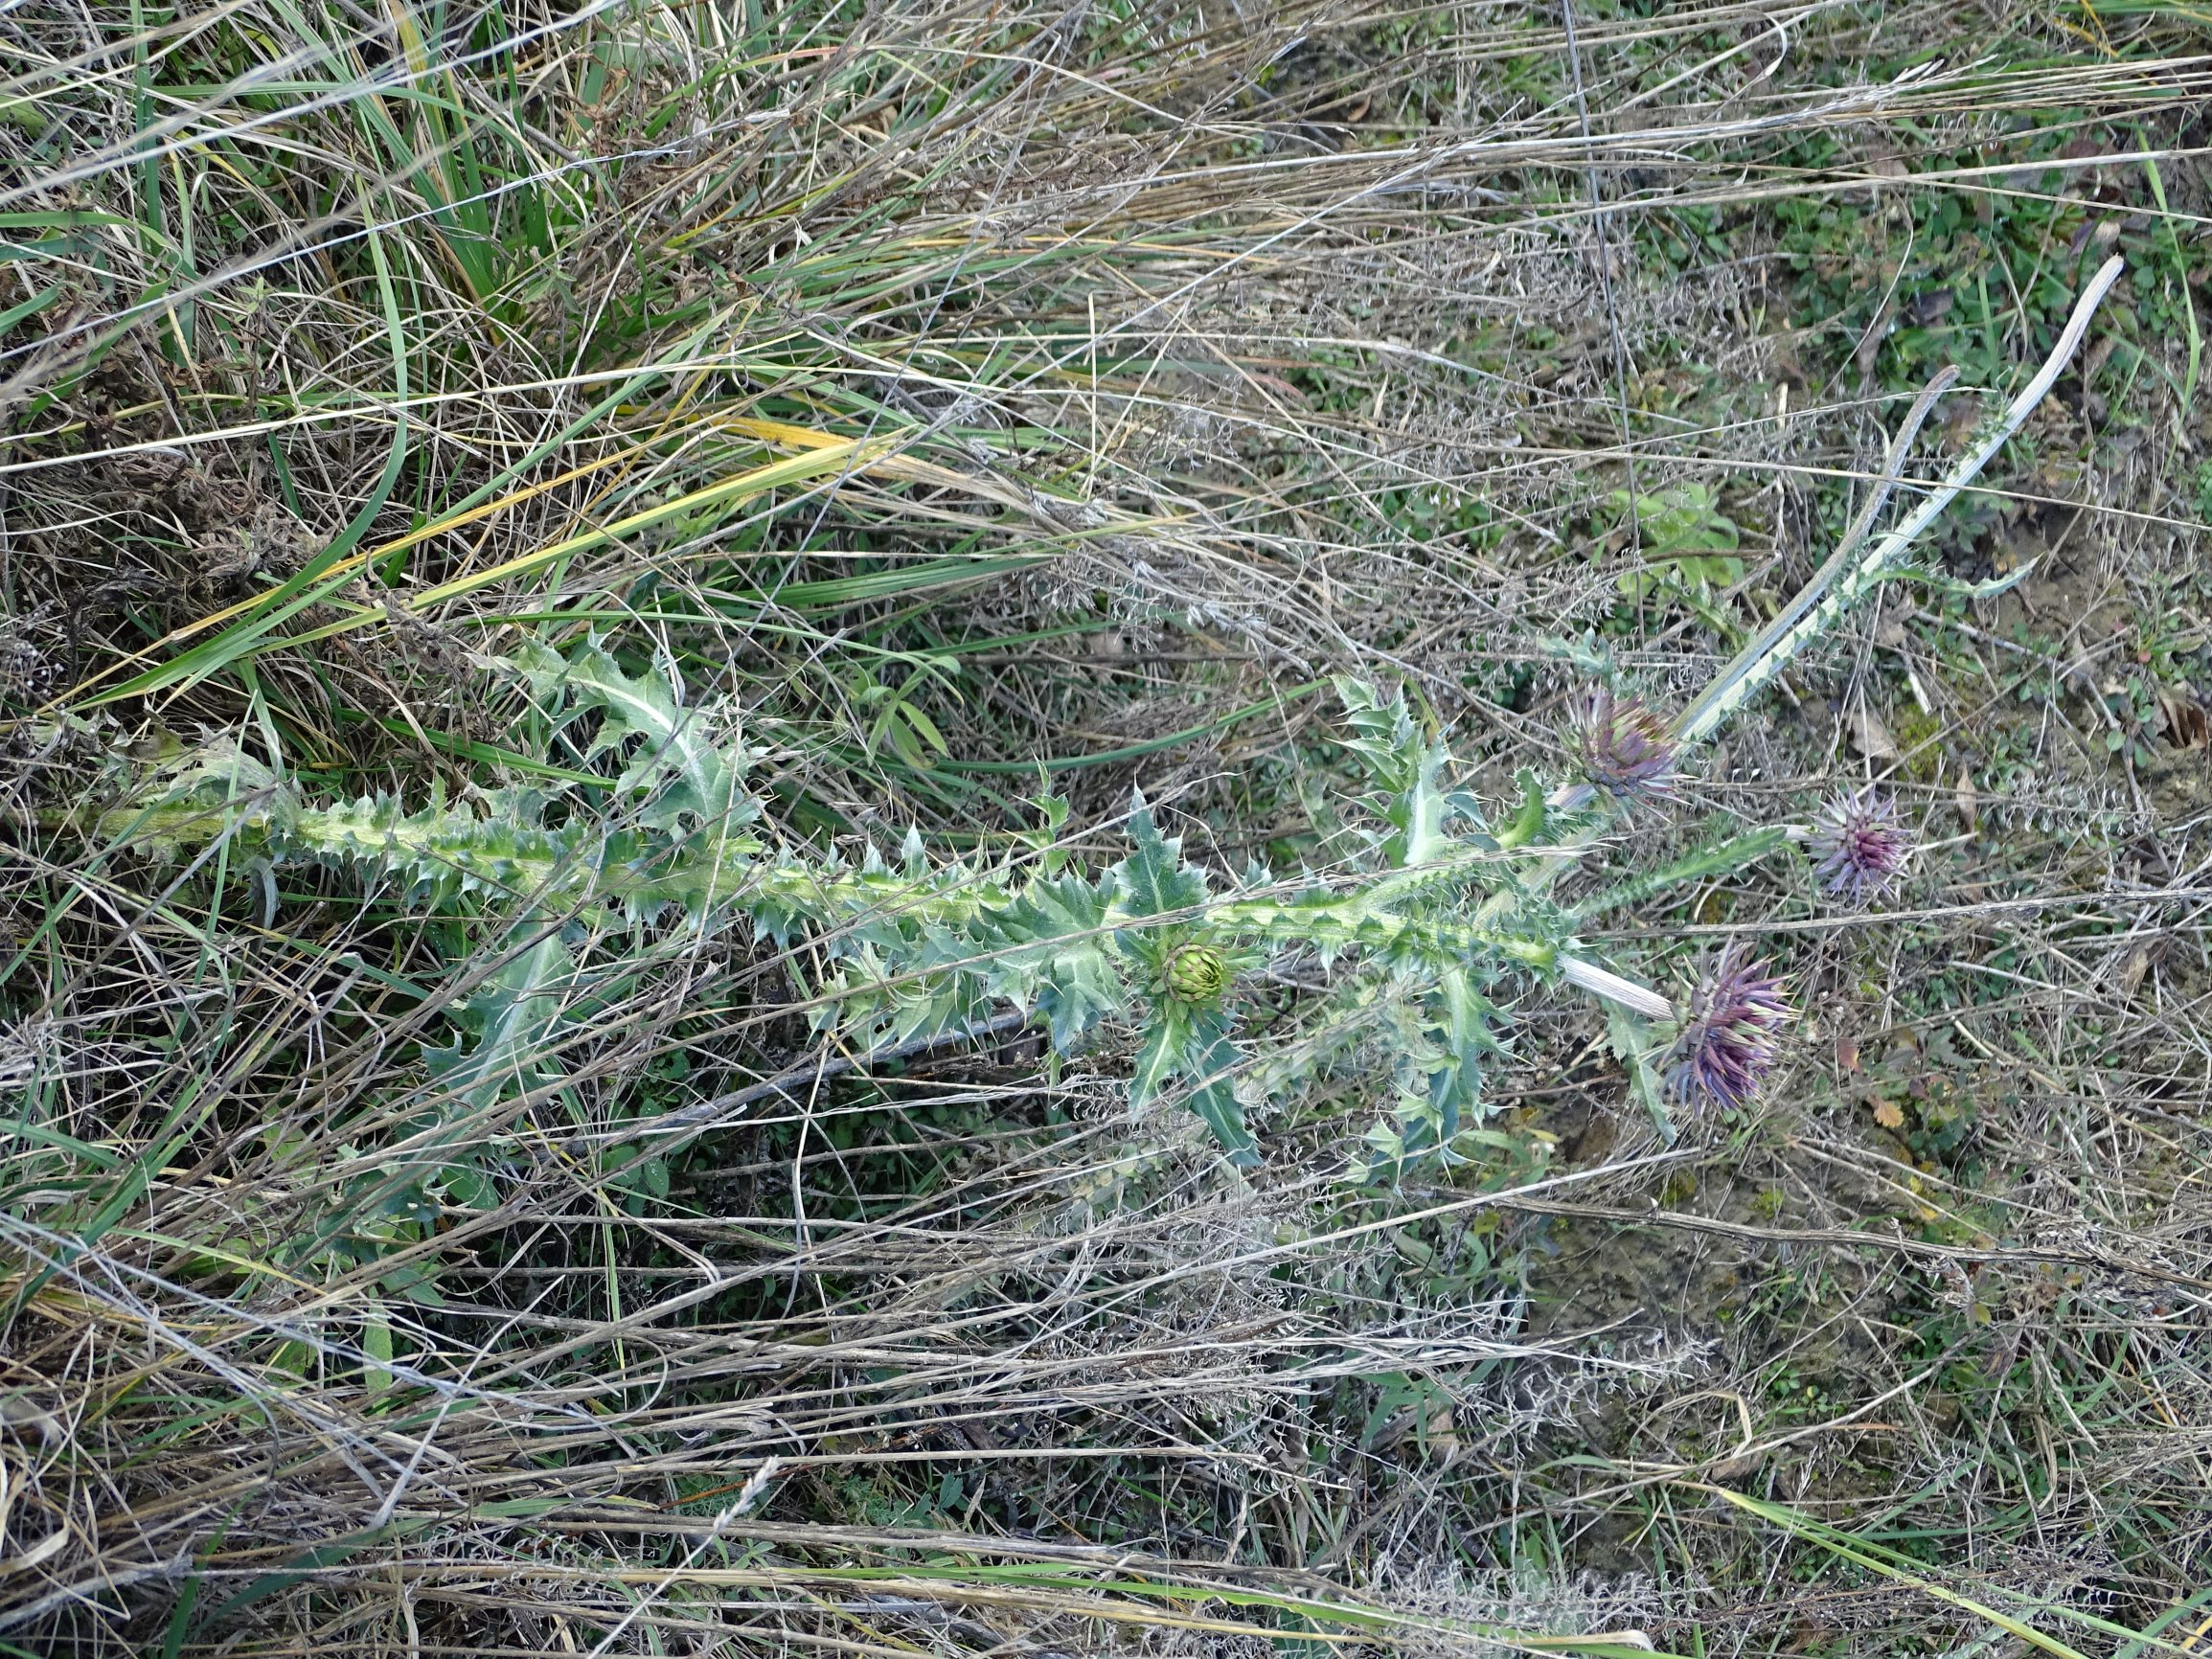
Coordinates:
column 1859, row 845
column 1623, row 747
column 1732, row 1036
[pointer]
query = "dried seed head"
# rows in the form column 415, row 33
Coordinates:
column 1732, row 1037
column 1623, row 747
column 1858, row 846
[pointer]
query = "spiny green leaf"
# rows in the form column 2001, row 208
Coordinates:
column 1155, row 881
column 680, row 768
column 1528, row 819
column 511, row 1015
column 1460, row 1017
column 1051, row 950
column 1723, row 858
column 1195, row 1044
column 1161, row 1054
column 1408, row 767
column 1637, row 1046
column 1209, row 1061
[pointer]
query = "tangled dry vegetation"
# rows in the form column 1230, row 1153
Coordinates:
column 952, row 404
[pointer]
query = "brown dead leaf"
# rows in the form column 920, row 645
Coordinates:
column 1870, row 737
column 2130, row 972
column 1889, row 1114
column 1869, row 346
column 1930, row 305
column 1962, row 796
column 2188, row 725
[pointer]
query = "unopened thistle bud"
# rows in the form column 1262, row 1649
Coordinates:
column 1623, row 747
column 1858, row 846
column 1197, row 974
column 1732, row 1037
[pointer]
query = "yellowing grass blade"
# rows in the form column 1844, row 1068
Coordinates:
column 251, row 632
column 795, row 469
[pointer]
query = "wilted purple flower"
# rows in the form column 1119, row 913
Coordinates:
column 1623, row 747
column 1731, row 1038
column 1858, row 844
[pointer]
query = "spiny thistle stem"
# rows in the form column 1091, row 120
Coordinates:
column 449, row 848
column 1848, row 573
column 1846, row 578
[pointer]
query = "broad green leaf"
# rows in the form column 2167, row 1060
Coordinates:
column 1686, row 519
column 511, row 1015
column 377, row 1350
column 1637, row 1048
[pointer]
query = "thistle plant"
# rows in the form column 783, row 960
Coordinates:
column 1854, row 570
column 1438, row 905
column 1858, row 846
column 1623, row 748
column 1445, row 909
column 1732, row 1037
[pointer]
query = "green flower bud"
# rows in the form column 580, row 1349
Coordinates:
column 1197, row 974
